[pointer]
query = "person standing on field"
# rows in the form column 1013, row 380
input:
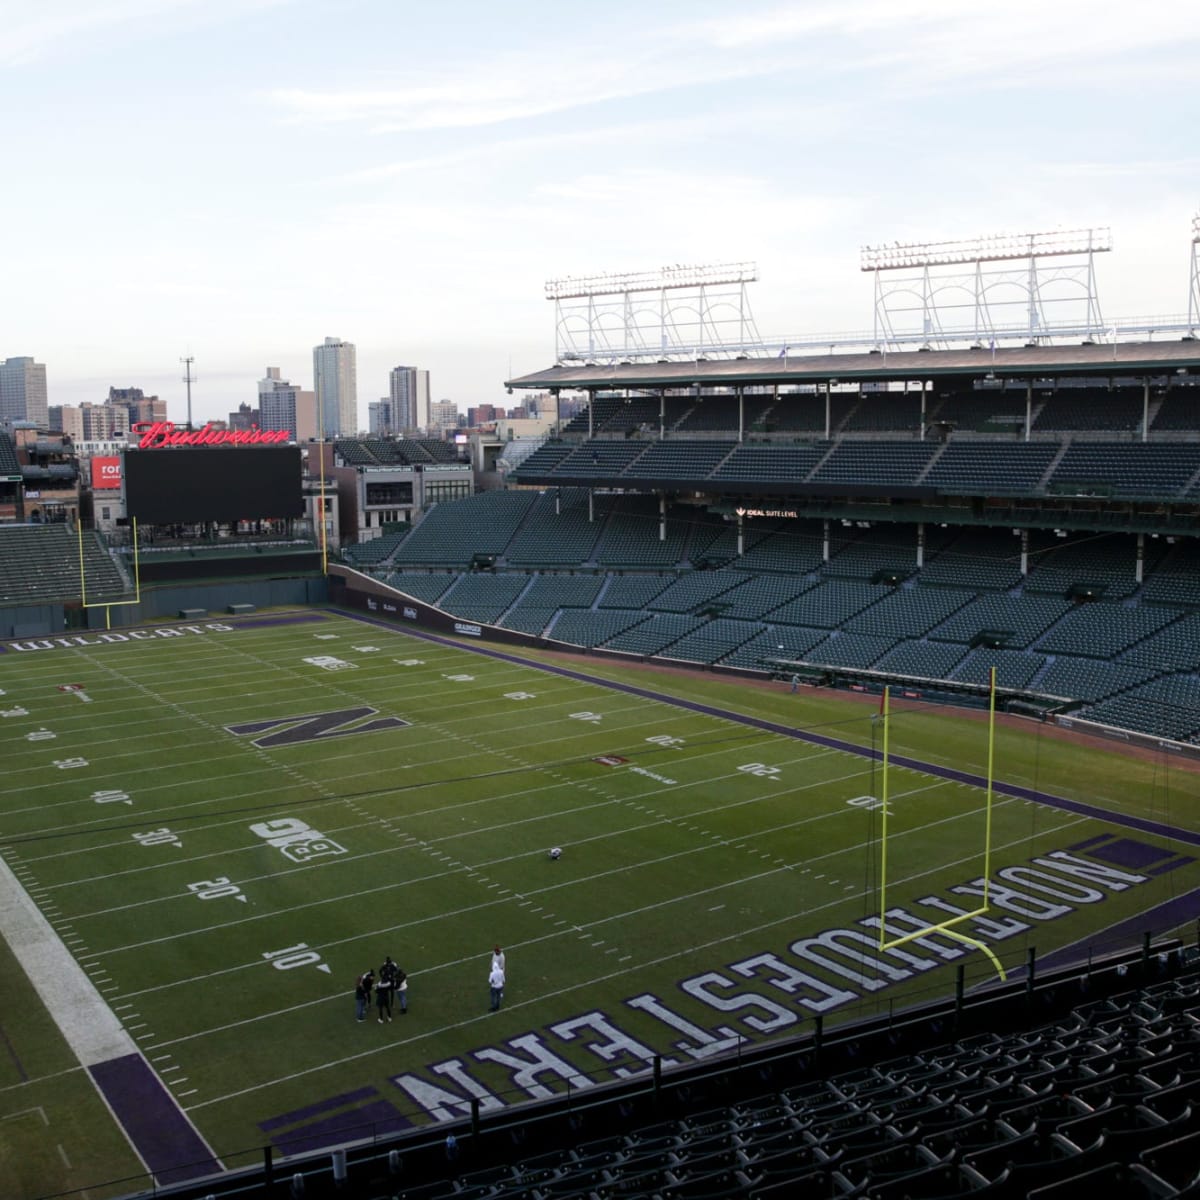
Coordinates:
column 362, row 993
column 496, row 983
column 383, row 998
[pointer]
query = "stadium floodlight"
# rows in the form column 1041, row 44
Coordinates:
column 1196, row 229
column 677, row 276
column 995, row 248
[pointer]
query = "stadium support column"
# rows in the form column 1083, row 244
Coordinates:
column 921, row 532
column 591, row 505
column 1139, row 565
column 741, row 395
column 1146, row 409
column 591, row 411
column 662, row 414
column 828, row 389
column 1028, row 407
column 825, row 542
column 923, row 414
column 662, row 516
column 1024, row 553
column 741, row 535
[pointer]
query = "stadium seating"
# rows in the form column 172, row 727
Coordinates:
column 697, row 589
column 583, row 627
column 1022, row 618
column 1175, row 579
column 804, row 412
column 768, row 463
column 827, row 605
column 655, row 635
column 1088, row 679
column 760, row 594
column 1176, row 647
column 378, row 550
column 850, row 650
column 632, row 591
column 565, row 537
column 895, row 464
column 453, row 533
column 793, row 547
column 1107, row 564
column 630, row 539
column 991, row 468
column 884, row 412
column 40, row 563
column 1137, row 470
column 1167, row 707
column 922, row 659
column 1103, row 630
column 681, row 460
column 985, row 560
column 713, row 640
column 1088, row 408
column 908, row 612
column 427, row 588
column 563, row 591
column 1014, row 668
column 483, row 597
column 1177, row 411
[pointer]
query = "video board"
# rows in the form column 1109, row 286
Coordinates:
column 181, row 486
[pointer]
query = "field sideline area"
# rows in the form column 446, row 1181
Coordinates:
column 208, row 831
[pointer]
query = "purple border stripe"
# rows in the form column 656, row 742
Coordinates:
column 263, row 622
column 160, row 1132
column 1168, row 915
column 314, row 1110
column 372, row 1120
column 1015, row 790
column 1100, row 837
column 1173, row 865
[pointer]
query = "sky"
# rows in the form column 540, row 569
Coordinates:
column 235, row 180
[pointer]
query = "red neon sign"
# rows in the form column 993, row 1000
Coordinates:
column 157, row 434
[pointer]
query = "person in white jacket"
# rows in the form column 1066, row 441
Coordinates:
column 496, row 983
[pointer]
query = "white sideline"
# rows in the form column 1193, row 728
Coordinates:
column 80, row 1012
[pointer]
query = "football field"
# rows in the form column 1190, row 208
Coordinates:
column 209, row 831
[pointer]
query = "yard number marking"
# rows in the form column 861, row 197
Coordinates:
column 214, row 889
column 159, row 837
column 111, row 796
column 760, row 769
column 298, row 955
column 586, row 716
column 665, row 739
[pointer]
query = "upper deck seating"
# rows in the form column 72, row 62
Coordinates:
column 879, row 464
column 683, row 460
column 1148, row 470
column 1091, row 408
column 755, row 463
column 991, row 468
column 884, row 411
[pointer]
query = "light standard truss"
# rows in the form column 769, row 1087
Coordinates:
column 1194, row 288
column 947, row 291
column 676, row 312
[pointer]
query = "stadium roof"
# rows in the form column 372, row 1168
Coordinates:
column 1024, row 362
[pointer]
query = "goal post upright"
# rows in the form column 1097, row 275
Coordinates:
column 947, row 928
column 109, row 605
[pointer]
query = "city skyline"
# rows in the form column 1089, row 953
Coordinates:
column 222, row 212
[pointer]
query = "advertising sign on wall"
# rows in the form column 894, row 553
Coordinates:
column 106, row 472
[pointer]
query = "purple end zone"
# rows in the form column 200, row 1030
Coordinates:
column 166, row 1140
column 263, row 622
column 315, row 1110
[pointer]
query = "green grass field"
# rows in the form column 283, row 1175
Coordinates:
column 223, row 888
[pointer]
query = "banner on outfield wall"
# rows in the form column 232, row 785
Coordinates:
column 106, row 472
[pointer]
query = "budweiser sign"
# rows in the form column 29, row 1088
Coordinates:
column 155, row 435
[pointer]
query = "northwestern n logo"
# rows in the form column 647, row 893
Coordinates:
column 315, row 727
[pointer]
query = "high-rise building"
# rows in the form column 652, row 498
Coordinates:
column 379, row 416
column 409, row 393
column 284, row 405
column 23, row 391
column 443, row 415
column 335, row 382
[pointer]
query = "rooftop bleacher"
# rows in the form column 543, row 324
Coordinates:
column 9, row 465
